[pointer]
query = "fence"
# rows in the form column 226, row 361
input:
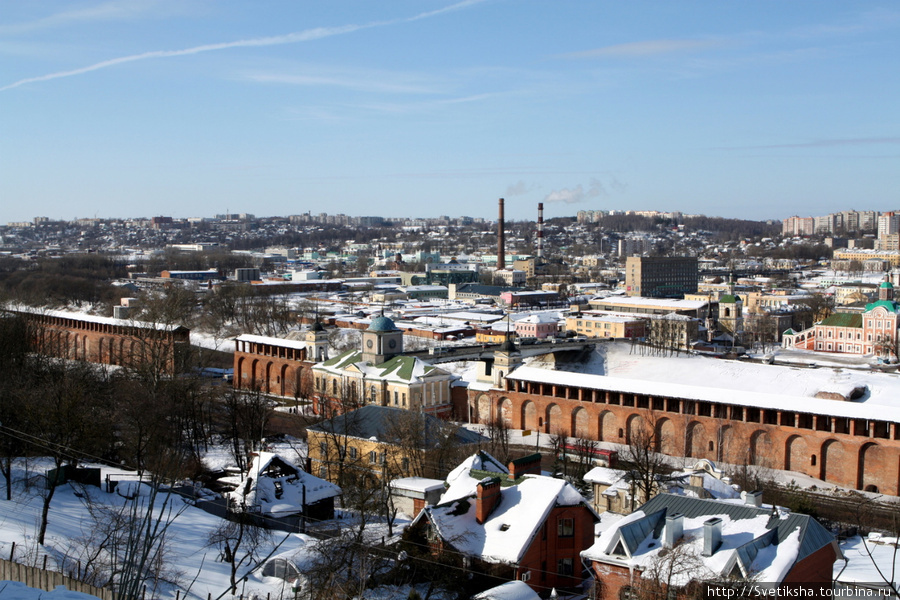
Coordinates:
column 43, row 579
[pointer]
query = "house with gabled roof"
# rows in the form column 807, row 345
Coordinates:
column 514, row 524
column 275, row 487
column 379, row 373
column 673, row 544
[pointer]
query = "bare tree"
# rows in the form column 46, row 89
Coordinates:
column 672, row 573
column 126, row 545
column 247, row 413
column 14, row 362
column 497, row 431
column 70, row 415
column 240, row 543
column 648, row 465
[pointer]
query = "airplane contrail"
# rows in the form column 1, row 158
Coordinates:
column 289, row 38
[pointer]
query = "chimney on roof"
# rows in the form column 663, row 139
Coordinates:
column 753, row 498
column 712, row 536
column 501, row 242
column 527, row 465
column 674, row 530
column 487, row 496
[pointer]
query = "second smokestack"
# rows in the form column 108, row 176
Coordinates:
column 540, row 230
column 501, row 252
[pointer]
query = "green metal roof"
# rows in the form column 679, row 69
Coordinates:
column 728, row 299
column 843, row 320
column 888, row 304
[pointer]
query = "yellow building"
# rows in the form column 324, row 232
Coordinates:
column 382, row 441
column 891, row 257
column 378, row 373
column 605, row 325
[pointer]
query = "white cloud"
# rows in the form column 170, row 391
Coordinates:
column 116, row 10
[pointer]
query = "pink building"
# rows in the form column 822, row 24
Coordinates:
column 873, row 332
column 537, row 326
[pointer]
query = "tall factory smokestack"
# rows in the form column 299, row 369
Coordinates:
column 501, row 252
column 540, row 230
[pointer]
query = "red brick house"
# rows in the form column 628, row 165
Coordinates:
column 673, row 544
column 517, row 525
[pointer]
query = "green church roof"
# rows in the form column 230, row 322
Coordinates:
column 888, row 304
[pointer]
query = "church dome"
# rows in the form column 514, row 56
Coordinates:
column 382, row 323
column 886, row 285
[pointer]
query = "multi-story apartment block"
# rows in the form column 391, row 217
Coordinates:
column 661, row 277
column 888, row 224
column 798, row 226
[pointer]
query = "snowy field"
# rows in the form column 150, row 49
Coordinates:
column 194, row 565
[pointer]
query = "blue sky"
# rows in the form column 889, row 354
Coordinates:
column 125, row 108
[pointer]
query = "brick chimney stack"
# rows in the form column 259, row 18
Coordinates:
column 487, row 497
column 540, row 230
column 527, row 465
column 501, row 242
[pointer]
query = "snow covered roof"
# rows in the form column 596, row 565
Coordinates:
column 417, row 484
column 640, row 301
column 604, row 475
column 753, row 539
column 88, row 318
column 460, row 483
column 763, row 386
column 511, row 590
column 508, row 531
column 403, row 369
column 271, row 341
column 538, row 318
column 277, row 487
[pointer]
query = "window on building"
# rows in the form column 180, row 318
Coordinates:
column 373, row 457
column 565, row 567
column 323, row 472
column 565, row 527
column 323, row 448
column 353, row 452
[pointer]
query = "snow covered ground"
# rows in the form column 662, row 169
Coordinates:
column 196, row 563
column 13, row 590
